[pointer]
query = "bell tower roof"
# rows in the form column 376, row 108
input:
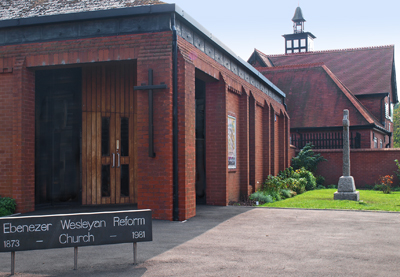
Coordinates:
column 299, row 41
column 298, row 15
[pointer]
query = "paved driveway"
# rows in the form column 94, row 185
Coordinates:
column 239, row 241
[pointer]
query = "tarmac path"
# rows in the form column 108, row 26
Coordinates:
column 239, row 241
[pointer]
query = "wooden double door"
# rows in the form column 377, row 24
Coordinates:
column 108, row 154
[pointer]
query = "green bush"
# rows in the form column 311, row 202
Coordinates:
column 332, row 186
column 287, row 173
column 320, row 180
column 7, row 206
column 311, row 183
column 261, row 197
column 297, row 185
column 274, row 183
column 397, row 172
column 286, row 193
column 307, row 159
column 276, row 196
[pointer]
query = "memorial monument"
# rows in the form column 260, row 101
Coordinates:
column 346, row 186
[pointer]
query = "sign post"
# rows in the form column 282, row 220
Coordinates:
column 74, row 230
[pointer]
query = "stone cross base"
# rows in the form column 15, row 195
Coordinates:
column 346, row 189
column 354, row 196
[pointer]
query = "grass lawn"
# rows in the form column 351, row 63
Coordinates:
column 323, row 199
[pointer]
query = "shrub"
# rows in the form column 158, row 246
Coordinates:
column 276, row 196
column 332, row 186
column 261, row 197
column 286, row 193
column 7, row 206
column 311, row 183
column 320, row 181
column 385, row 184
column 274, row 184
column 307, row 159
column 287, row 173
column 398, row 170
column 297, row 185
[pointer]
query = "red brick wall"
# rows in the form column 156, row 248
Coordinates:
column 374, row 105
column 154, row 175
column 366, row 165
column 216, row 144
column 6, row 131
column 17, row 143
column 227, row 95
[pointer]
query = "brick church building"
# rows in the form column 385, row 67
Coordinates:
column 320, row 84
column 130, row 102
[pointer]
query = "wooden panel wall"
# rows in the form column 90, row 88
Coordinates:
column 107, row 91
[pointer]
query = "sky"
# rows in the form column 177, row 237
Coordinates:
column 340, row 24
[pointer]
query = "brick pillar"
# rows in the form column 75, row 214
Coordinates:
column 155, row 175
column 287, row 137
column 252, row 139
column 267, row 139
column 282, row 141
column 243, row 133
column 187, row 138
column 216, row 143
column 274, row 143
column 23, row 137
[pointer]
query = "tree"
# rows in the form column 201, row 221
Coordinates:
column 307, row 159
column 396, row 126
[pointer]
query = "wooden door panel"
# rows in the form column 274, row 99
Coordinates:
column 107, row 93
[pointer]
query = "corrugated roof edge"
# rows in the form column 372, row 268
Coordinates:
column 149, row 9
column 203, row 30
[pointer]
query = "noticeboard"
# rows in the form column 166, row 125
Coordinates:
column 73, row 230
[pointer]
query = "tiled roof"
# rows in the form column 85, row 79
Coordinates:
column 13, row 9
column 315, row 89
column 362, row 70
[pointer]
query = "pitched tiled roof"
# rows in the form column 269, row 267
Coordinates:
column 362, row 70
column 13, row 9
column 315, row 89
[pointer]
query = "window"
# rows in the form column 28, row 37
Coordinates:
column 380, row 143
column 303, row 42
column 295, row 43
column 391, row 111
column 387, row 113
column 289, row 44
column 375, row 142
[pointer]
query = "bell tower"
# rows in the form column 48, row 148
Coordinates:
column 299, row 41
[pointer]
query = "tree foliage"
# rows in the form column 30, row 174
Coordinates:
column 307, row 159
column 396, row 126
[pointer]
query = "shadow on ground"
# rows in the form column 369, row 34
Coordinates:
column 116, row 260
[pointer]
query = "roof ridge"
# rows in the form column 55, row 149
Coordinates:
column 261, row 52
column 332, row 50
column 293, row 66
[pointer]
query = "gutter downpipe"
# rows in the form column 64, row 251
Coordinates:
column 175, row 209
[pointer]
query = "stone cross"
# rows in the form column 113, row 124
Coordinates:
column 346, row 187
column 346, row 143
